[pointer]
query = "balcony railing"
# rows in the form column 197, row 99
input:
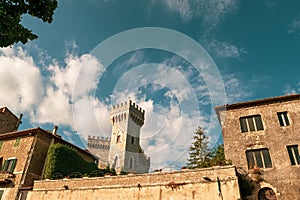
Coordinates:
column 6, row 177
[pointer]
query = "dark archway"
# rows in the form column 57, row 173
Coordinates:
column 266, row 194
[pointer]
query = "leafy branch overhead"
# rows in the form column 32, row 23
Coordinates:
column 11, row 11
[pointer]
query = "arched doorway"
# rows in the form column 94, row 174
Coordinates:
column 266, row 194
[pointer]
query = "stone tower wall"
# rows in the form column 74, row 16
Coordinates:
column 99, row 146
column 127, row 119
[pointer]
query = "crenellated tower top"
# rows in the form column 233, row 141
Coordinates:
column 122, row 111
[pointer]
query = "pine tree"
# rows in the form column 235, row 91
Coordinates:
column 199, row 152
column 218, row 156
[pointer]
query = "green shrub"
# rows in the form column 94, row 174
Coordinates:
column 66, row 161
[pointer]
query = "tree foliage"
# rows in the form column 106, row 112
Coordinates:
column 218, row 156
column 201, row 155
column 199, row 151
column 11, row 11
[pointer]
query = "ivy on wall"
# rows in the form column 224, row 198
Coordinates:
column 65, row 161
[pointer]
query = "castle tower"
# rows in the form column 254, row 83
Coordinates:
column 99, row 147
column 125, row 151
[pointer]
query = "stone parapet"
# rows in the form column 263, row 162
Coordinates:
column 209, row 183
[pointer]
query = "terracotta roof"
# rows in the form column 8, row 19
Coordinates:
column 259, row 102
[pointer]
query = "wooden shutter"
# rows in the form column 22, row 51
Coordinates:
column 4, row 167
column 13, row 165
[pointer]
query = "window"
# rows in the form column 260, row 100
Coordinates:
column 9, row 165
column 283, row 119
column 251, row 123
column 259, row 157
column 294, row 154
column 132, row 140
column 118, row 138
column 17, row 142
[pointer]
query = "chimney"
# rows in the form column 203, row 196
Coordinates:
column 55, row 130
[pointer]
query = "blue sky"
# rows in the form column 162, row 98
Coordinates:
column 246, row 50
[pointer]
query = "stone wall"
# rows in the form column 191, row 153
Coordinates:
column 190, row 184
column 100, row 148
column 8, row 121
column 37, row 159
column 9, row 150
column 282, row 177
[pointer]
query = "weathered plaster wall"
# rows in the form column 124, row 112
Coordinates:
column 191, row 184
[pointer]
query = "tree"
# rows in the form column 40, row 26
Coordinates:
column 11, row 11
column 218, row 156
column 199, row 151
column 201, row 155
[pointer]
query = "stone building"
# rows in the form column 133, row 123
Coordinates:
column 23, row 154
column 125, row 152
column 100, row 148
column 8, row 121
column 262, row 137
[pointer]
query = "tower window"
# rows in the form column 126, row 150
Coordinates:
column 251, row 123
column 132, row 140
column 294, row 154
column 283, row 119
column 259, row 157
column 118, row 138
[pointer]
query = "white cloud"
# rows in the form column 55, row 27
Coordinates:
column 225, row 49
column 69, row 99
column 66, row 98
column 294, row 26
column 63, row 96
column 20, row 79
column 55, row 108
column 182, row 6
column 210, row 11
column 289, row 89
